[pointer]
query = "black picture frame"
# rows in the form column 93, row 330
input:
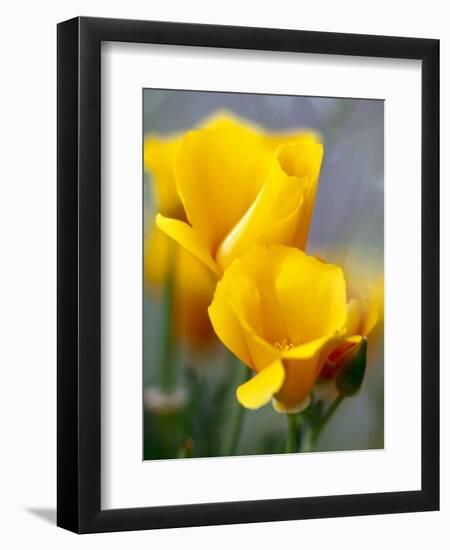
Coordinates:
column 79, row 276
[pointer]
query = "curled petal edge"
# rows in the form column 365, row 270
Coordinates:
column 258, row 391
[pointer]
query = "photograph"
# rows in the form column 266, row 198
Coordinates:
column 263, row 274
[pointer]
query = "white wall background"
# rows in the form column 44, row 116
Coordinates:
column 28, row 270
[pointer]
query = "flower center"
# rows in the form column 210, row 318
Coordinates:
column 286, row 345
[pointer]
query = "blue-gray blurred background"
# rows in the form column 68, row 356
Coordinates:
column 348, row 226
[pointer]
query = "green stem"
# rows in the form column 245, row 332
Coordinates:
column 235, row 434
column 238, row 412
column 320, row 426
column 167, row 356
column 292, row 440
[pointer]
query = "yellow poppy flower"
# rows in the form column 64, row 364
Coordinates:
column 239, row 186
column 283, row 313
column 193, row 286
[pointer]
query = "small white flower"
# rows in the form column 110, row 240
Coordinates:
column 158, row 401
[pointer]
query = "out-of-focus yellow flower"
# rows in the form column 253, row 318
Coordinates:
column 283, row 313
column 239, row 187
column 159, row 161
column 193, row 286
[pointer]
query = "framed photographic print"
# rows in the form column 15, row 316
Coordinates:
column 248, row 288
